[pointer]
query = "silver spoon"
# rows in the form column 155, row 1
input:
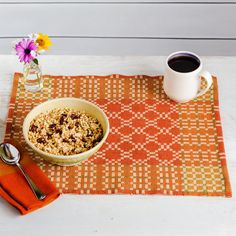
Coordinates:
column 11, row 156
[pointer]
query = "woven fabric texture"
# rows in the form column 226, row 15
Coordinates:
column 155, row 146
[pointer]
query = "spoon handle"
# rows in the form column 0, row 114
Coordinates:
column 37, row 192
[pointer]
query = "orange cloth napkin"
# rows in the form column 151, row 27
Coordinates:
column 15, row 189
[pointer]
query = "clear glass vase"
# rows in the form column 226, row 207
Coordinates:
column 33, row 79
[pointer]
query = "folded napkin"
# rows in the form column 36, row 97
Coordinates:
column 15, row 189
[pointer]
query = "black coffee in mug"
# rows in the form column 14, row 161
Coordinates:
column 184, row 63
column 183, row 76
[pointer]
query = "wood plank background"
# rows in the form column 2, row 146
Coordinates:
column 123, row 27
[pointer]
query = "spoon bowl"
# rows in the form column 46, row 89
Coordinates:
column 10, row 154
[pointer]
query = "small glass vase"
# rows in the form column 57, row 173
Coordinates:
column 33, row 80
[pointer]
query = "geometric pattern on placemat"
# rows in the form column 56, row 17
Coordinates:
column 155, row 145
column 202, row 170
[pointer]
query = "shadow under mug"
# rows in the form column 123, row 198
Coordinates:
column 185, row 86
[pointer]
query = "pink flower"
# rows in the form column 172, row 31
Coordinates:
column 26, row 50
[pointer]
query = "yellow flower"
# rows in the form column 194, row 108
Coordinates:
column 43, row 42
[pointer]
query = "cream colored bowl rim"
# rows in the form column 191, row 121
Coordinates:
column 79, row 155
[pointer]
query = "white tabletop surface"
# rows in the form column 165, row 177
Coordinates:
column 128, row 214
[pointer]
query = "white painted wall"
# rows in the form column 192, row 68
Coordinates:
column 123, row 27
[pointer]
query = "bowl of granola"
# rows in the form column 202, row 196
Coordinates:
column 65, row 131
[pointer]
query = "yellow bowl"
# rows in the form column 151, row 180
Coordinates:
column 74, row 103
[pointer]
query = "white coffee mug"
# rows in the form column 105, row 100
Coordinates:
column 185, row 86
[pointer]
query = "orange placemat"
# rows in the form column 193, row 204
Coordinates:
column 155, row 145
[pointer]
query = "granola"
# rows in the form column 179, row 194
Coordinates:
column 65, row 131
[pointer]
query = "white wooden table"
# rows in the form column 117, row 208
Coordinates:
column 124, row 214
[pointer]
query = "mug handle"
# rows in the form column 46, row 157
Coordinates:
column 207, row 76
